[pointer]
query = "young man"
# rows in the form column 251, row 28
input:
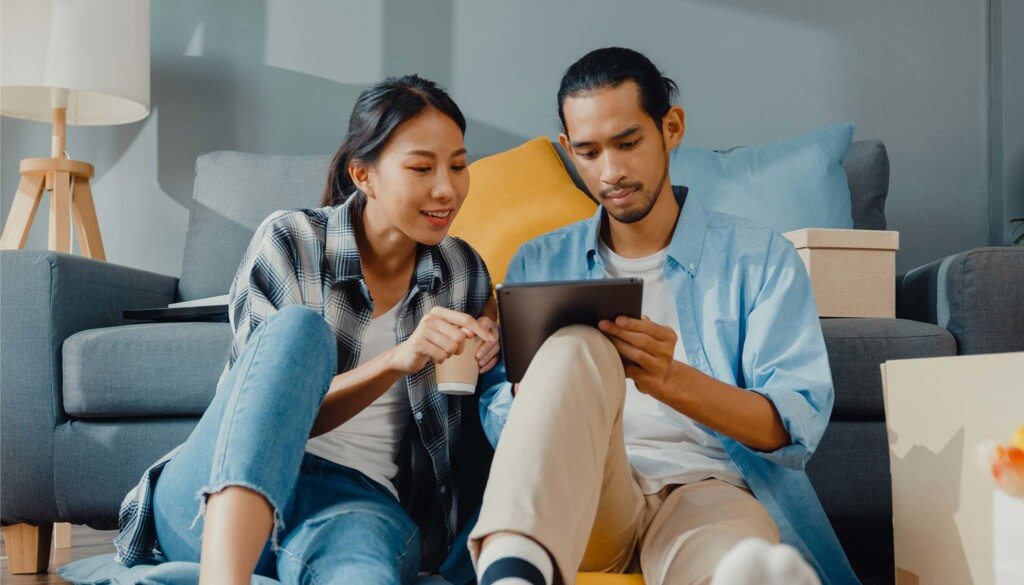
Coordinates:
column 656, row 444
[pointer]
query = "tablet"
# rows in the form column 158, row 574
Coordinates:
column 530, row 312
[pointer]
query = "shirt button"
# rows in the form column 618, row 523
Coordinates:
column 444, row 490
column 418, row 416
column 693, row 266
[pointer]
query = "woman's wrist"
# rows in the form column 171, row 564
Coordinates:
column 390, row 362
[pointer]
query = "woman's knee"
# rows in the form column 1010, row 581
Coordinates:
column 307, row 330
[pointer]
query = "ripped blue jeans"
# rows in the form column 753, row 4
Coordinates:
column 332, row 524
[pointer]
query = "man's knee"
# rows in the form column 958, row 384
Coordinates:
column 582, row 338
column 577, row 346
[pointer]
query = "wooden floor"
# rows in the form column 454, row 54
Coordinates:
column 85, row 542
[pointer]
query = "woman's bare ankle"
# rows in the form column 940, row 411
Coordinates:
column 236, row 526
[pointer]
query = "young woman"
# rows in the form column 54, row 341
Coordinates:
column 326, row 455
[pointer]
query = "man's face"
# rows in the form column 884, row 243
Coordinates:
column 621, row 154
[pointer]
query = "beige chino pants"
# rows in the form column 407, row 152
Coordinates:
column 561, row 477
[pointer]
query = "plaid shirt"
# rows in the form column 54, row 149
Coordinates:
column 309, row 257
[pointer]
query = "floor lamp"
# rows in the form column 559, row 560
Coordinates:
column 77, row 62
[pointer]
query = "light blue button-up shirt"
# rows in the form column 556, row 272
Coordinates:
column 747, row 317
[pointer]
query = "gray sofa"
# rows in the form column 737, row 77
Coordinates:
column 89, row 400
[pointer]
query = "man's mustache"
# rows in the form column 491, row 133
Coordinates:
column 621, row 187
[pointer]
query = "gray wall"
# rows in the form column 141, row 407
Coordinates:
column 1006, row 120
column 280, row 77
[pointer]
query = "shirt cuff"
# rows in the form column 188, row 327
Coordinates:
column 497, row 413
column 796, row 414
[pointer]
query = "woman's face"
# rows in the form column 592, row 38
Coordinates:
column 420, row 179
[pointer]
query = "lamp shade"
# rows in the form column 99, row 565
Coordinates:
column 97, row 50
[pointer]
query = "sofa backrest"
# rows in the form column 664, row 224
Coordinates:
column 235, row 191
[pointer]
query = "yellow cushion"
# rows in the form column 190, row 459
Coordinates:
column 514, row 197
column 608, row 579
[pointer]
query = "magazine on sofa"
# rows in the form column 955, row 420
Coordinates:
column 213, row 309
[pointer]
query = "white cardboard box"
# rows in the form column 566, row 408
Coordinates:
column 853, row 272
column 938, row 411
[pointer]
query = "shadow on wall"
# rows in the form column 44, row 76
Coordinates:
column 227, row 98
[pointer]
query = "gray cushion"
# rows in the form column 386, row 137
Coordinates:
column 153, row 369
column 234, row 192
column 856, row 347
column 867, row 172
column 978, row 295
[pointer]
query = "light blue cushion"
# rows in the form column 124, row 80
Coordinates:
column 791, row 184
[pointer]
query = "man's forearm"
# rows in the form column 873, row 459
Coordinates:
column 746, row 416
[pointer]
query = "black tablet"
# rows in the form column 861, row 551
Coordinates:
column 531, row 312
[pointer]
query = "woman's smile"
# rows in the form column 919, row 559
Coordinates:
column 440, row 218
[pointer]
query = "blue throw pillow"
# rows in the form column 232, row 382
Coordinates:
column 794, row 183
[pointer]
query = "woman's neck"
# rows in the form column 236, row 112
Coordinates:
column 384, row 250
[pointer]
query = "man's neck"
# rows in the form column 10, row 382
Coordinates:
column 647, row 236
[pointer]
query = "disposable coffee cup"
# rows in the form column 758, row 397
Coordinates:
column 457, row 375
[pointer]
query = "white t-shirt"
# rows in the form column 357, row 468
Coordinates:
column 665, row 447
column 369, row 441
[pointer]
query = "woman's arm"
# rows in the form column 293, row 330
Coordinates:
column 352, row 391
column 441, row 333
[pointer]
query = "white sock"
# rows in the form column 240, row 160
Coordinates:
column 756, row 562
column 514, row 560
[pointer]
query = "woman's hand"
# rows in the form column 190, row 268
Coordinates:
column 440, row 334
column 487, row 354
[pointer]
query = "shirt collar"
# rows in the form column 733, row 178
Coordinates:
column 687, row 242
column 341, row 250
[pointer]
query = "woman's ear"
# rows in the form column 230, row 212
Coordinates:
column 360, row 174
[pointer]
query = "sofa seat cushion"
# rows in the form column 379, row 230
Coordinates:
column 153, row 369
column 856, row 348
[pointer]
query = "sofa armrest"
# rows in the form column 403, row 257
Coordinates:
column 977, row 295
column 46, row 297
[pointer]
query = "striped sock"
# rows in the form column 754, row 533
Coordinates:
column 515, row 560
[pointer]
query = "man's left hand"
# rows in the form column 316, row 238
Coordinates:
column 649, row 350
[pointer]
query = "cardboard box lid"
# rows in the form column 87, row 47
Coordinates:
column 838, row 238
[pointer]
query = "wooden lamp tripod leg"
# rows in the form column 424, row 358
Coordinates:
column 23, row 211
column 87, row 227
column 60, row 213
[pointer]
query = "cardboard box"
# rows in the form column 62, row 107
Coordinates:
column 853, row 272
column 938, row 412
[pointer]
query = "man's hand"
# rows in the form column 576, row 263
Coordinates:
column 649, row 350
column 487, row 354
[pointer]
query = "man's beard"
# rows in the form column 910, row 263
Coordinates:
column 635, row 215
